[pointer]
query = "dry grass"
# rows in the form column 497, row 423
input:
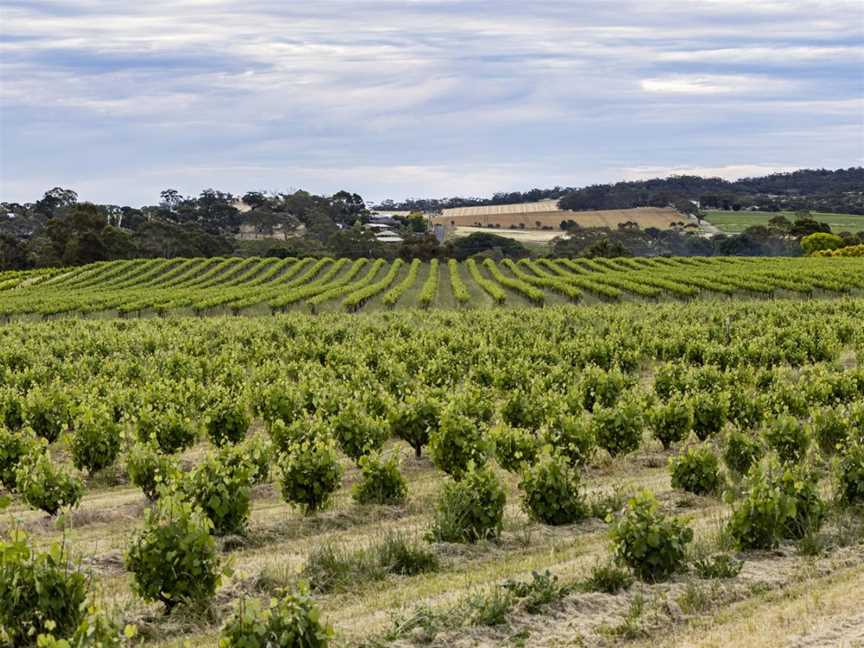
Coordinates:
column 822, row 611
column 280, row 540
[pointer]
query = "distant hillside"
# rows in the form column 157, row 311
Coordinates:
column 840, row 191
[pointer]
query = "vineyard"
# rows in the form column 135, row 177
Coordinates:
column 238, row 286
column 677, row 475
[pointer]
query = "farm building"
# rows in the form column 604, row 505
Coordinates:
column 383, row 233
column 388, row 237
column 383, row 220
column 546, row 215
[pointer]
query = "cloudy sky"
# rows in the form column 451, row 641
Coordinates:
column 120, row 99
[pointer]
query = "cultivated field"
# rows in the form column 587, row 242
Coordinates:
column 547, row 214
column 539, row 425
column 731, row 222
column 250, row 286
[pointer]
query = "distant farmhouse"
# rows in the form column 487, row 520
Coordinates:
column 385, row 225
column 383, row 228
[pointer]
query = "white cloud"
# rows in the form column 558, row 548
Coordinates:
column 766, row 55
column 713, row 84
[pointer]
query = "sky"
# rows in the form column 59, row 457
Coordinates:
column 119, row 100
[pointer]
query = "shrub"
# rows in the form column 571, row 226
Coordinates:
column 707, row 378
column 252, row 455
column 96, row 441
column 47, row 412
column 710, row 412
column 609, row 579
column 551, row 488
column 779, row 503
column 821, row 241
column 652, row 545
column 718, row 566
column 671, row 379
column 460, row 440
column 572, row 437
column 227, row 422
column 278, row 401
column 310, row 474
column 222, row 492
column 513, row 446
column 169, row 429
column 855, row 420
column 540, row 591
column 829, row 428
column 606, row 503
column 96, row 630
column 788, row 437
column 618, row 430
column 599, row 387
column 802, row 485
column 174, row 558
column 14, row 446
column 846, row 251
column 696, row 471
column 471, row 401
column 826, row 387
column 850, row 475
column 469, row 510
column 40, row 591
column 380, row 482
column 46, row 486
column 746, row 408
column 786, row 397
column 414, row 419
column 307, row 428
column 672, row 421
column 357, row 432
column 741, row 452
column 148, row 469
column 376, row 402
column 11, row 409
column 525, row 410
column 292, row 621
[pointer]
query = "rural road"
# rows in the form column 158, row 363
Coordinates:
column 707, row 228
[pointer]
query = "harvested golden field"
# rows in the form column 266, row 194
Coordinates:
column 547, row 214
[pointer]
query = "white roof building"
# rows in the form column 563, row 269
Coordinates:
column 388, row 237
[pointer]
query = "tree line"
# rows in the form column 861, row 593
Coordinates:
column 58, row 230
column 779, row 237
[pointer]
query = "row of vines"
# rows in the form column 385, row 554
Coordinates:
column 758, row 403
column 238, row 286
